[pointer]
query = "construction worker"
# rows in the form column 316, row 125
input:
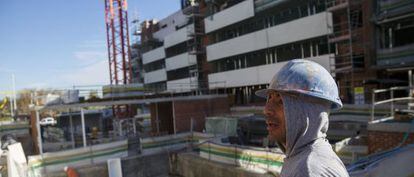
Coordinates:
column 94, row 133
column 299, row 99
column 70, row 172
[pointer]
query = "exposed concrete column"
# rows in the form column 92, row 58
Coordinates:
column 157, row 121
column 410, row 79
column 83, row 127
column 410, row 90
column 133, row 125
column 72, row 137
column 392, row 102
column 174, row 123
column 39, row 134
column 191, row 125
column 114, row 167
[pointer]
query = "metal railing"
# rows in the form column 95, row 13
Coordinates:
column 391, row 100
column 195, row 87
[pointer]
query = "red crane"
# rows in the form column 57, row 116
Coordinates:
column 118, row 41
column 119, row 56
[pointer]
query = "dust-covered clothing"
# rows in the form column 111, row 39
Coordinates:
column 308, row 152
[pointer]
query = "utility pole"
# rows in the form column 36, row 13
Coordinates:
column 14, row 92
column 11, row 107
column 13, row 104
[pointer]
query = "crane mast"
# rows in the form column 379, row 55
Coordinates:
column 119, row 56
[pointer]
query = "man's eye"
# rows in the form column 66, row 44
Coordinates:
column 269, row 97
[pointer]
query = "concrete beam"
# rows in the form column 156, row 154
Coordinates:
column 391, row 127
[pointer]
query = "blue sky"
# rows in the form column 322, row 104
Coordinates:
column 61, row 43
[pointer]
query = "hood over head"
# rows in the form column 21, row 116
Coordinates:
column 306, row 121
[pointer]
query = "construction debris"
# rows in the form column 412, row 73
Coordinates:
column 53, row 134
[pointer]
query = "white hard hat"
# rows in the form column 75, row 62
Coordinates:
column 305, row 77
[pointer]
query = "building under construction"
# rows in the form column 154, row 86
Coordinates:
column 394, row 21
column 212, row 44
column 191, row 61
column 233, row 47
column 352, row 41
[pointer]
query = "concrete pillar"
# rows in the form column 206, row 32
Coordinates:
column 410, row 80
column 114, row 167
column 392, row 102
column 373, row 106
column 39, row 134
column 133, row 125
column 83, row 127
column 191, row 125
column 120, row 127
column 157, row 121
column 72, row 137
column 174, row 123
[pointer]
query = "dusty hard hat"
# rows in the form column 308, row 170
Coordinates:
column 305, row 77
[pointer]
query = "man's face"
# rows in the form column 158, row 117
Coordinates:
column 275, row 117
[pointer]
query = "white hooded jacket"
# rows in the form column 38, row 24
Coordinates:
column 308, row 152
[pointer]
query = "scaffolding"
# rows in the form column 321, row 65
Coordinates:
column 346, row 41
column 195, row 33
column 136, row 53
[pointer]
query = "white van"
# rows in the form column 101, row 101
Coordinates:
column 48, row 121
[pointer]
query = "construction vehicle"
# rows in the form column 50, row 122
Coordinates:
column 4, row 103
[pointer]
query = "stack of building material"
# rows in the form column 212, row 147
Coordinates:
column 54, row 134
column 404, row 115
column 221, row 126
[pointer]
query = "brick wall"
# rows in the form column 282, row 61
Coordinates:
column 379, row 141
column 165, row 118
column 184, row 111
column 198, row 110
